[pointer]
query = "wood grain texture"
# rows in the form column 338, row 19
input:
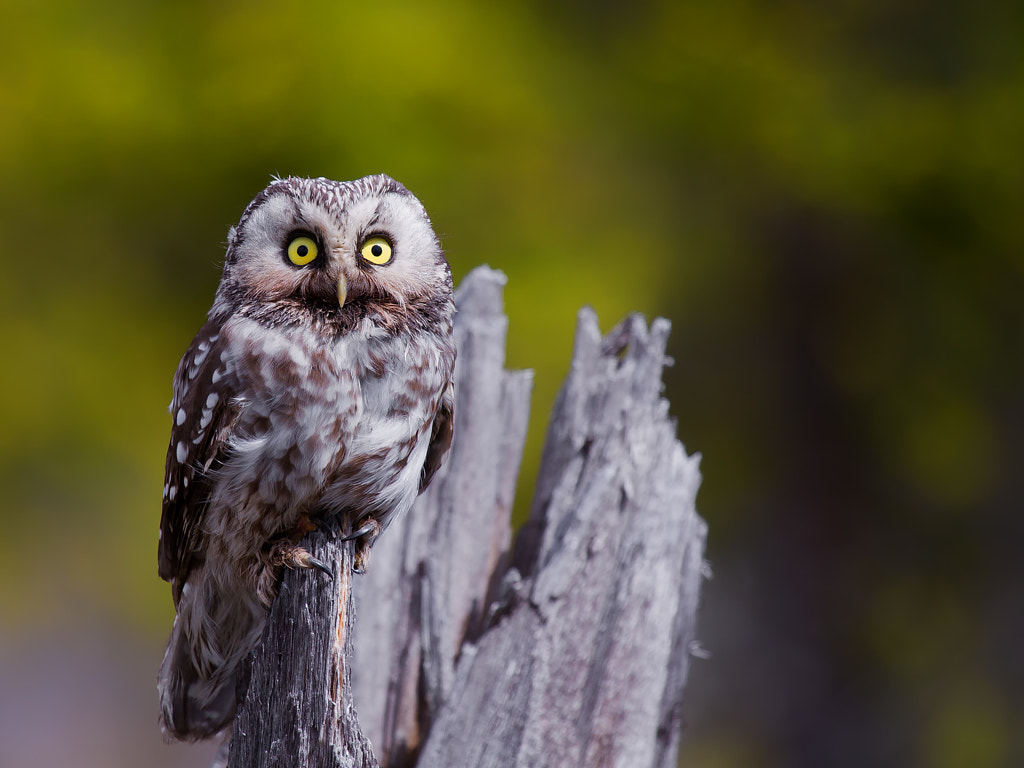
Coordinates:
column 298, row 708
column 585, row 659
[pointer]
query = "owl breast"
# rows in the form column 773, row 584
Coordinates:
column 325, row 427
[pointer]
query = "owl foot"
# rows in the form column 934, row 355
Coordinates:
column 267, row 571
column 364, row 538
column 371, row 526
column 293, row 556
column 362, row 557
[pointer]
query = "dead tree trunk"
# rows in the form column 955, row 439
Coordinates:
column 571, row 649
column 298, row 708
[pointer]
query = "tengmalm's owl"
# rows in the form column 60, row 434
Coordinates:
column 319, row 392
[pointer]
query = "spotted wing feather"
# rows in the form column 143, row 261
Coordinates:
column 203, row 413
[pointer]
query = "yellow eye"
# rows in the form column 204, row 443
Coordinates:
column 376, row 250
column 302, row 250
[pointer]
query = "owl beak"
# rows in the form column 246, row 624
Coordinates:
column 342, row 290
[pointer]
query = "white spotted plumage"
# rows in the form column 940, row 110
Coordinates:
column 316, row 393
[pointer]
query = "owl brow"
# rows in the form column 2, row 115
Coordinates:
column 374, row 220
column 300, row 224
column 297, row 215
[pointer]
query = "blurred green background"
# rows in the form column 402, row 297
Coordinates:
column 824, row 198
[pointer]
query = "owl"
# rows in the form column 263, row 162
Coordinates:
column 318, row 393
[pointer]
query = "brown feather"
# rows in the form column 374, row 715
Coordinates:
column 182, row 514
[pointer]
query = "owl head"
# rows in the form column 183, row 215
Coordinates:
column 317, row 244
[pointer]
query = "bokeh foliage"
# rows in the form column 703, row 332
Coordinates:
column 823, row 198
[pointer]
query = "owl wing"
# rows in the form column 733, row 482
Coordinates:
column 203, row 414
column 440, row 437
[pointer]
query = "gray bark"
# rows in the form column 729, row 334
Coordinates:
column 571, row 650
column 298, row 708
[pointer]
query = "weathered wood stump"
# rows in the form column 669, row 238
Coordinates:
column 298, row 709
column 570, row 649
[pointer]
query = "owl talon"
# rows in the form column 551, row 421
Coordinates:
column 302, row 559
column 292, row 556
column 371, row 526
column 320, row 566
column 364, row 538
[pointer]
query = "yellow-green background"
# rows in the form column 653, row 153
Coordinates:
column 824, row 198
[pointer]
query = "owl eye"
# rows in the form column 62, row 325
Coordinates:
column 302, row 250
column 376, row 250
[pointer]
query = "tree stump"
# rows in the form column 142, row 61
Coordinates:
column 298, row 707
column 570, row 649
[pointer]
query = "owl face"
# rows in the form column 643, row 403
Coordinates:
column 315, row 242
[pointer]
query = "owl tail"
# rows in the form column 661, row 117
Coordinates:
column 199, row 675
